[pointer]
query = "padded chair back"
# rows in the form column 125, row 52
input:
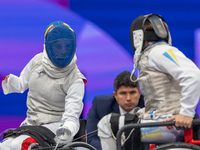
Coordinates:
column 196, row 130
column 80, row 136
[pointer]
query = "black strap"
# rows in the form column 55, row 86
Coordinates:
column 81, row 132
column 129, row 118
column 150, row 35
column 114, row 121
column 196, row 129
column 41, row 134
column 134, row 141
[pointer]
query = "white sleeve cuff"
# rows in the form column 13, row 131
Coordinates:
column 73, row 127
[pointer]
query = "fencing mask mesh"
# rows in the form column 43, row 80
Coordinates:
column 60, row 42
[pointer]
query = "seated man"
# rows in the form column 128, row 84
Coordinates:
column 124, row 99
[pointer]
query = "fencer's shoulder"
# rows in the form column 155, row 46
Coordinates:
column 159, row 50
column 38, row 56
column 37, row 59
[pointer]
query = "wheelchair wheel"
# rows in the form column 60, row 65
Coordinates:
column 178, row 146
column 77, row 146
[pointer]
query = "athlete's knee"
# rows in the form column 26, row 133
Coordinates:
column 24, row 144
column 5, row 144
column 15, row 145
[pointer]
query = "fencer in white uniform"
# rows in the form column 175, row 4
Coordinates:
column 168, row 80
column 56, row 88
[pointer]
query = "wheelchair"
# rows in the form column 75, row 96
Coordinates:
column 79, row 142
column 189, row 142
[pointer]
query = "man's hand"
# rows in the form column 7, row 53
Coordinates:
column 182, row 121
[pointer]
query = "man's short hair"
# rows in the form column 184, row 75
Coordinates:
column 124, row 79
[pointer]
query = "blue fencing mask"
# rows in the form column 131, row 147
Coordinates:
column 60, row 43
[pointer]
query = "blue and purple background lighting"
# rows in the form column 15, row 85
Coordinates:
column 103, row 46
column 100, row 57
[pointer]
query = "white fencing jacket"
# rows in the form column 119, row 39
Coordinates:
column 54, row 94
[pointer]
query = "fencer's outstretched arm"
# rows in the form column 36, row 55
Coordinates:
column 15, row 84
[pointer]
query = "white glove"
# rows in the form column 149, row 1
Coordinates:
column 140, row 112
column 63, row 133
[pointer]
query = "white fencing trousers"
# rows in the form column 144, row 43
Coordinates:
column 23, row 142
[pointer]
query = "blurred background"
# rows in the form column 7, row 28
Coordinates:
column 103, row 45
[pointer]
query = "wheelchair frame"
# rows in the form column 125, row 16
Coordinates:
column 188, row 136
column 77, row 144
column 69, row 146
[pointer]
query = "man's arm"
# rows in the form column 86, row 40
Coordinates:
column 91, row 127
